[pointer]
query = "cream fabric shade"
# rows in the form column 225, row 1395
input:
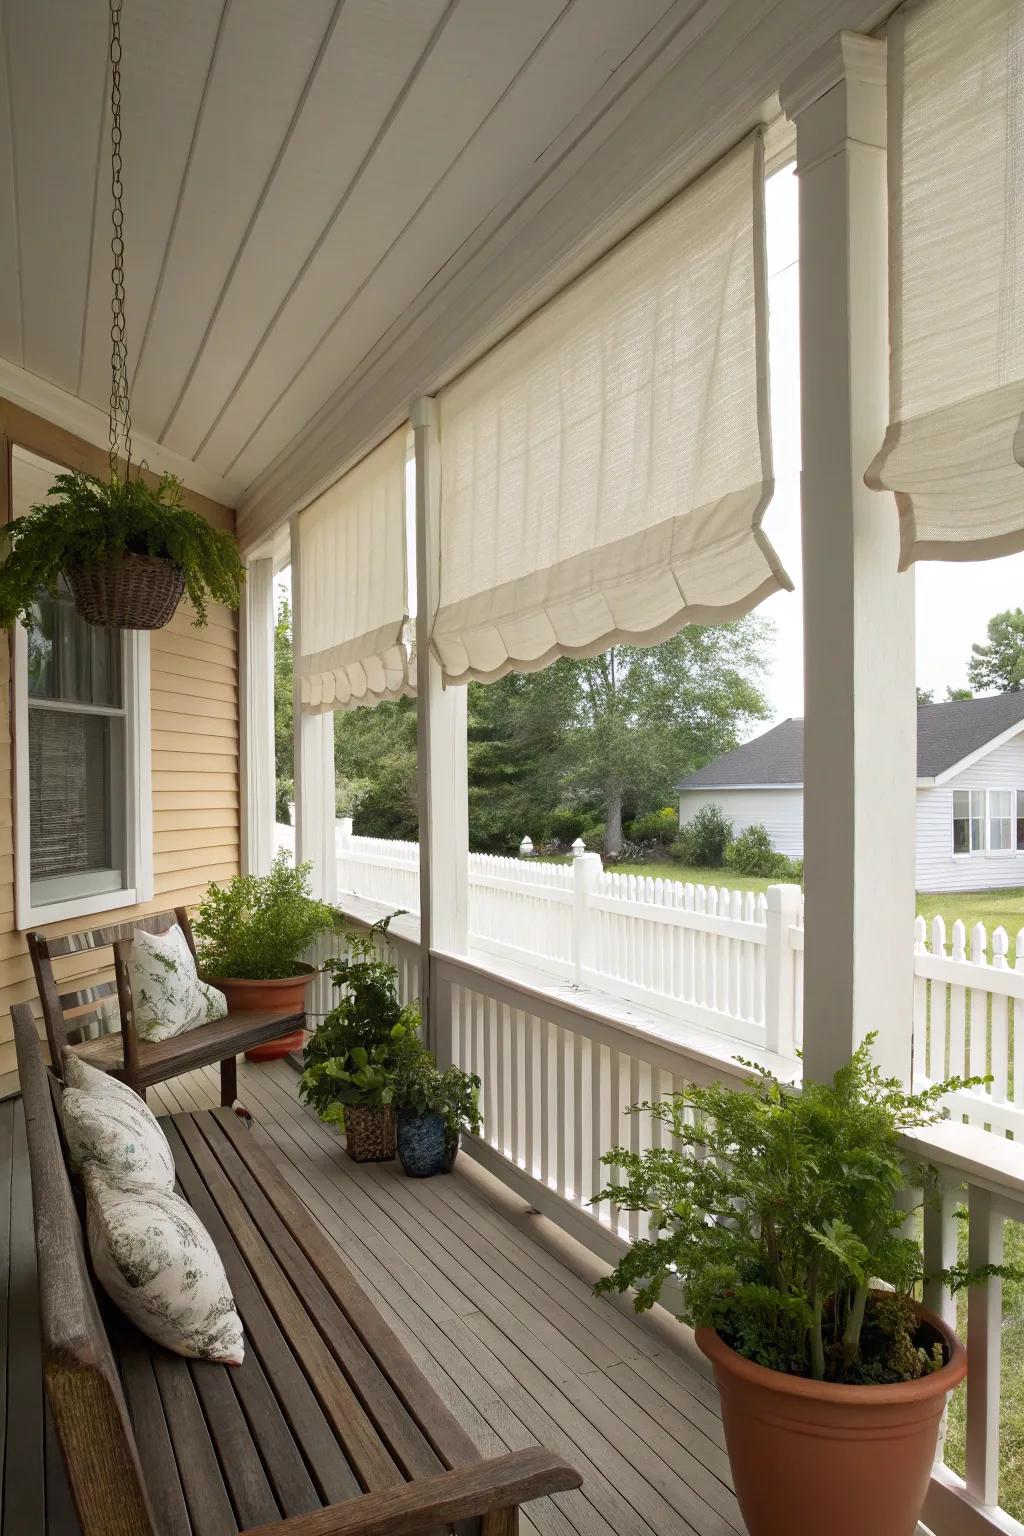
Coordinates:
column 353, row 586
column 954, row 450
column 605, row 469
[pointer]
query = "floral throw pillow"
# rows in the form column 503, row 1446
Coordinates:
column 168, row 996
column 158, row 1264
column 79, row 1074
column 119, row 1137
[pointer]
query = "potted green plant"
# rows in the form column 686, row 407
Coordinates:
column 362, row 1048
column 250, row 936
column 127, row 550
column 781, row 1214
column 434, row 1107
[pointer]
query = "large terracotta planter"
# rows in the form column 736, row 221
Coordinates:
column 285, row 994
column 810, row 1457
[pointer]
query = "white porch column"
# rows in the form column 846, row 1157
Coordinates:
column 441, row 730
column 314, row 765
column 859, row 752
column 256, row 685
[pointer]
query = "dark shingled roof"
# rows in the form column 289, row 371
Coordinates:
column 946, row 734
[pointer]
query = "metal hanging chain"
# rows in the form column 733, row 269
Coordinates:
column 120, row 427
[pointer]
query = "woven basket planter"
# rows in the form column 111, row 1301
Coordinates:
column 370, row 1135
column 134, row 592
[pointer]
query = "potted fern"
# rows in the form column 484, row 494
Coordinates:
column 362, row 1049
column 251, row 935
column 781, row 1215
column 128, row 550
column 434, row 1107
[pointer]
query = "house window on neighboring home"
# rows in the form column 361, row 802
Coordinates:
column 969, row 821
column 83, row 831
column 1000, row 820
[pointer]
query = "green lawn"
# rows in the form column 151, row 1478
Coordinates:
column 996, row 909
column 681, row 873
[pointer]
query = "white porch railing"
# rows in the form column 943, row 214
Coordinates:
column 558, row 1074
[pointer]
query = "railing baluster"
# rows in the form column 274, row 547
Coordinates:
column 984, row 1339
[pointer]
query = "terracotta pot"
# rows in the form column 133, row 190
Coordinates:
column 285, row 994
column 809, row 1456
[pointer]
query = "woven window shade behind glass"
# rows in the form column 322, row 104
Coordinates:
column 69, row 777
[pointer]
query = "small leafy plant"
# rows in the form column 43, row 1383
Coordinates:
column 259, row 926
column 423, row 1088
column 88, row 522
column 779, row 1212
column 370, row 1041
column 753, row 853
column 703, row 840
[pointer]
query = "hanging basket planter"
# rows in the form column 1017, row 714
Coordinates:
column 133, row 592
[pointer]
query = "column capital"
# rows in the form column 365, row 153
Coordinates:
column 847, row 56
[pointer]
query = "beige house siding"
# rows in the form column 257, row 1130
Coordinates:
column 194, row 708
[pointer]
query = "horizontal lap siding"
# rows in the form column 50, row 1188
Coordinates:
column 780, row 810
column 194, row 705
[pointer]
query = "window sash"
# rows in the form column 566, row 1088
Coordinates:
column 968, row 821
column 1000, row 820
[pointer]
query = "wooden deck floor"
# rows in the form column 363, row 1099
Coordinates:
column 496, row 1306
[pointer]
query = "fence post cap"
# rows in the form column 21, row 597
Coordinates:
column 578, row 847
column 783, row 898
column 525, row 848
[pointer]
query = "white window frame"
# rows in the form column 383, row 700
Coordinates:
column 138, row 796
column 972, row 851
column 1011, row 849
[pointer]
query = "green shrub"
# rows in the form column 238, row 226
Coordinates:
column 751, row 853
column 566, row 823
column 703, row 840
column 259, row 926
column 370, row 1041
column 88, row 522
column 660, row 827
column 778, row 1210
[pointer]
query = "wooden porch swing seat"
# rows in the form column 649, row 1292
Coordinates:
column 328, row 1428
column 141, row 1063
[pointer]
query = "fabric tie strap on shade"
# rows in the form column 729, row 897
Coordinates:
column 353, row 587
column 954, row 451
column 605, row 470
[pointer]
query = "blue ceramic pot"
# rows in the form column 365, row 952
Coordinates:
column 423, row 1145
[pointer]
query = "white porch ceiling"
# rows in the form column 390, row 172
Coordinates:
column 331, row 205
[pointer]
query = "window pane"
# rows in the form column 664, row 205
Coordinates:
column 978, row 803
column 961, row 834
column 999, row 832
column 961, row 802
column 71, row 660
column 999, row 802
column 1020, row 821
column 76, row 777
column 977, row 834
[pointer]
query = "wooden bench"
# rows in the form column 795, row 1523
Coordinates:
column 141, row 1063
column 328, row 1428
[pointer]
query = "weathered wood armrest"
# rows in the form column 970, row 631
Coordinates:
column 497, row 1484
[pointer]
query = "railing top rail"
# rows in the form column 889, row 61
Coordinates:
column 975, row 1156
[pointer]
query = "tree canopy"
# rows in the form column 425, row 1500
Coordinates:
column 998, row 667
column 588, row 742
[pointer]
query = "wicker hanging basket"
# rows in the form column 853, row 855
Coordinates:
column 134, row 592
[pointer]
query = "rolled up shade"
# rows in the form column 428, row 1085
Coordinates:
column 353, row 586
column 604, row 470
column 954, row 450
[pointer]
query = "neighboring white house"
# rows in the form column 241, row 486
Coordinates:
column 970, row 791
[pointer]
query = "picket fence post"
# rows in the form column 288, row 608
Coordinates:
column 344, row 847
column 585, row 869
column 780, row 1024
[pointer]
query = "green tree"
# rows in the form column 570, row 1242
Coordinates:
column 516, row 734
column 376, row 749
column 645, row 716
column 956, row 695
column 926, row 696
column 998, row 667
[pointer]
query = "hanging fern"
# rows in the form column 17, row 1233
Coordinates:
column 88, row 522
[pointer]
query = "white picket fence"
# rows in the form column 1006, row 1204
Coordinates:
column 722, row 959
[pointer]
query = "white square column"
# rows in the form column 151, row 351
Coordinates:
column 441, row 743
column 256, row 699
column 314, row 764
column 860, row 705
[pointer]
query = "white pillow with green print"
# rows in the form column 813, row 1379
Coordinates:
column 158, row 1264
column 118, row 1135
column 167, row 995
